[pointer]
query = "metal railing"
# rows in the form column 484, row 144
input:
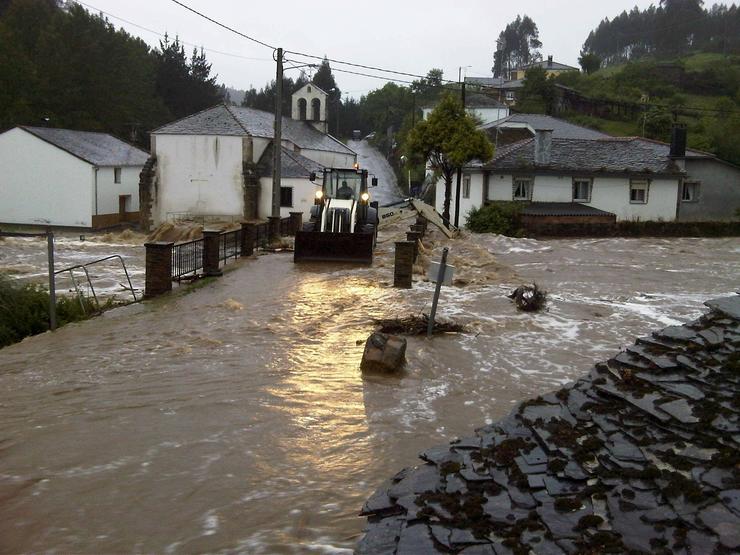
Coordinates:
column 187, row 258
column 229, row 245
column 285, row 227
column 84, row 267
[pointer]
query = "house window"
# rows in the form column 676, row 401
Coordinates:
column 522, row 188
column 466, row 186
column 690, row 191
column 116, row 175
column 510, row 96
column 286, row 197
column 639, row 191
column 582, row 189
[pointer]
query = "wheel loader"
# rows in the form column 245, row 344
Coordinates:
column 343, row 223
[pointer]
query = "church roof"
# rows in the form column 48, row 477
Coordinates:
column 241, row 121
column 292, row 164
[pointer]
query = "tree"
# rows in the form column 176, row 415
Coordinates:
column 324, row 79
column 517, row 45
column 538, row 92
column 589, row 62
column 447, row 140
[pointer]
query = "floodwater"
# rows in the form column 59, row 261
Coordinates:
column 235, row 419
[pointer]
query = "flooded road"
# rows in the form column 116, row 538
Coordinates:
column 235, row 419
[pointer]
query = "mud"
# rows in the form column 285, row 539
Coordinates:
column 193, row 425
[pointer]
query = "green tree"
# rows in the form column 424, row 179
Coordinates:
column 589, row 62
column 538, row 92
column 517, row 45
column 447, row 140
column 324, row 79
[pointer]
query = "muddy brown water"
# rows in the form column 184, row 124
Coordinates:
column 235, row 419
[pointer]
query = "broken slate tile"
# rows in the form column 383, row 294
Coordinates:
column 379, row 502
column 529, row 468
column 713, row 336
column 380, row 537
column 683, row 389
column 472, row 442
column 623, row 449
column 724, row 523
column 731, row 498
column 727, row 305
column 483, row 549
column 562, row 487
column 539, row 544
column 680, row 409
column 472, row 476
column 441, row 534
column 459, row 537
column 422, row 479
column 701, row 542
column 663, row 362
column 719, row 478
column 416, row 539
column 536, row 481
column 440, row 455
column 676, row 333
column 574, row 471
column 521, row 498
column 645, row 403
column 535, row 456
column 562, row 524
column 455, row 484
column 636, row 534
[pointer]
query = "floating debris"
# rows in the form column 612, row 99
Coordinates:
column 529, row 298
column 641, row 455
column 417, row 325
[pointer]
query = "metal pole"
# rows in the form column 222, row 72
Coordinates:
column 278, row 136
column 440, row 278
column 52, row 285
column 457, row 198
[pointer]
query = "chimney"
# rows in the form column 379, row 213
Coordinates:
column 542, row 146
column 678, row 140
column 549, row 61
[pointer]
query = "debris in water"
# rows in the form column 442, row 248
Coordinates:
column 417, row 325
column 383, row 353
column 529, row 298
column 232, row 304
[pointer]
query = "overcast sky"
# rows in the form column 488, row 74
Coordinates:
column 408, row 36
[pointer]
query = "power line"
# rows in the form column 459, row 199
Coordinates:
column 223, row 25
column 108, row 14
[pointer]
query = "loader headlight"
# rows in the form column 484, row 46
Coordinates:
column 365, row 197
column 319, row 194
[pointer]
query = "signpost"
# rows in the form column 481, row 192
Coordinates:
column 444, row 275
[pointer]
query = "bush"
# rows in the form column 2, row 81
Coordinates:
column 24, row 310
column 503, row 218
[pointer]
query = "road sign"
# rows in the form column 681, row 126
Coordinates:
column 433, row 273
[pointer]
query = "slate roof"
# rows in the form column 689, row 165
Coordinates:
column 476, row 100
column 640, row 455
column 240, row 121
column 561, row 129
column 562, row 209
column 99, row 149
column 548, row 64
column 292, row 164
column 613, row 155
column 485, row 81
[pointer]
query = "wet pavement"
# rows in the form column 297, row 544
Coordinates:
column 371, row 159
column 235, row 418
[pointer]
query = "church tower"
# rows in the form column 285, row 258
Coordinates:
column 309, row 104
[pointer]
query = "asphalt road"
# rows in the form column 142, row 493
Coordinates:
column 369, row 157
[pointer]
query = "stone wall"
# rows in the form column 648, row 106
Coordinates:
column 147, row 193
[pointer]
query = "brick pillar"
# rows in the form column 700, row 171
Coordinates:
column 419, row 228
column 403, row 265
column 414, row 237
column 158, row 268
column 249, row 237
column 273, row 229
column 211, row 248
column 296, row 222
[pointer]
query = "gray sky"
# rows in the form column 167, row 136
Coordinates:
column 410, row 36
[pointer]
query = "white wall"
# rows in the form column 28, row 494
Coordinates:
column 200, row 175
column 611, row 194
column 330, row 159
column 309, row 96
column 259, row 145
column 108, row 191
column 42, row 184
column 466, row 204
column 303, row 196
column 487, row 115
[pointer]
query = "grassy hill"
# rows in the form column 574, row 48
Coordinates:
column 703, row 90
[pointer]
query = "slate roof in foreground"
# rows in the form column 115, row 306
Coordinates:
column 562, row 209
column 612, row 155
column 99, row 149
column 241, row 121
column 639, row 456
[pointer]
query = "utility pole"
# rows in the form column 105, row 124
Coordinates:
column 52, row 286
column 278, row 136
column 459, row 170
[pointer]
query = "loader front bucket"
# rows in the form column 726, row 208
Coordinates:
column 336, row 247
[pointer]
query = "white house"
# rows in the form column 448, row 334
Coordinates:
column 483, row 107
column 630, row 178
column 67, row 178
column 216, row 163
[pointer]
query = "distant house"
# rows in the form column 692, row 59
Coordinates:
column 485, row 107
column 522, row 126
column 218, row 164
column 571, row 174
column 65, row 178
column 507, row 88
column 551, row 68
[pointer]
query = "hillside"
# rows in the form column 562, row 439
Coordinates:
column 701, row 90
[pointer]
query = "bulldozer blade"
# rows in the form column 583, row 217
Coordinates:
column 338, row 247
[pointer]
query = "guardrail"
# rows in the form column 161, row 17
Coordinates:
column 229, row 245
column 187, row 258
